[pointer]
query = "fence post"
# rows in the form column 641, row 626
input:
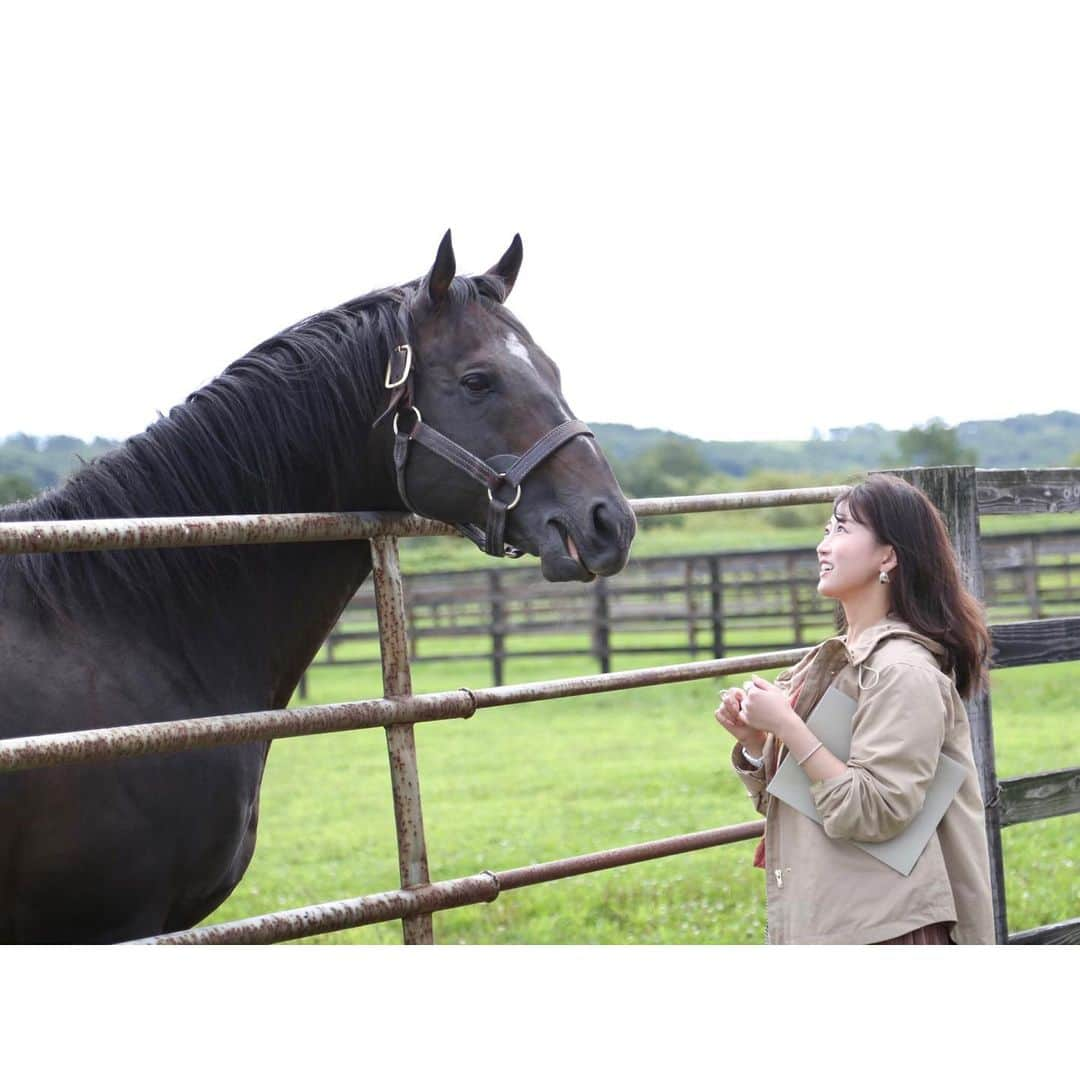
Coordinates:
column 498, row 626
column 691, row 608
column 601, row 630
column 411, row 628
column 1031, row 578
column 400, row 740
column 793, row 596
column 716, row 604
column 952, row 490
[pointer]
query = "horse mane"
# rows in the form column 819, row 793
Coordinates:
column 280, row 430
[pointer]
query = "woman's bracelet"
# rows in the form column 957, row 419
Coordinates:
column 756, row 762
column 807, row 756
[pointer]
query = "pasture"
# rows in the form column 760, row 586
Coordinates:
column 544, row 780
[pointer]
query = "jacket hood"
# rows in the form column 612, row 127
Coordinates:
column 864, row 645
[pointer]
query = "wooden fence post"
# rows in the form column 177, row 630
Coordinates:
column 952, row 490
column 498, row 626
column 601, row 629
column 691, row 608
column 412, row 629
column 716, row 604
column 1031, row 577
column 793, row 596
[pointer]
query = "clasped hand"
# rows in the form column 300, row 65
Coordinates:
column 761, row 707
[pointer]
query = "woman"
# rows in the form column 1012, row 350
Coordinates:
column 916, row 645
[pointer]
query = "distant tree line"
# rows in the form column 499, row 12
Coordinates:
column 14, row 489
column 29, row 464
column 1022, row 442
column 651, row 463
column 676, row 465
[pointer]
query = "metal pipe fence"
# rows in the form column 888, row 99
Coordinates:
column 422, row 900
column 399, row 709
column 117, row 534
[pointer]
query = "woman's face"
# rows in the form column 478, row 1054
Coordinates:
column 850, row 557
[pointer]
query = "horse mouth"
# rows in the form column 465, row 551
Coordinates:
column 571, row 548
column 560, row 557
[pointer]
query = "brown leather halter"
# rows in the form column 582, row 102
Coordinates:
column 497, row 480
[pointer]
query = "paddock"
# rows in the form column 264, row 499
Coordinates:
column 961, row 493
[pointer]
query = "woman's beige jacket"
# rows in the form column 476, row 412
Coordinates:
column 823, row 890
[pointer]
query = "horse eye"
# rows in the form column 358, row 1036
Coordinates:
column 476, row 381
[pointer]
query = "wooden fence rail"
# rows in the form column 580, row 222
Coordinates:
column 714, row 604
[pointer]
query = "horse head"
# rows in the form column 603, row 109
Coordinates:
column 483, row 436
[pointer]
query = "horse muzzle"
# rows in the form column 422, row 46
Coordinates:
column 584, row 546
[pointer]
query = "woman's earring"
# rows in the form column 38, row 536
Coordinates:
column 883, row 577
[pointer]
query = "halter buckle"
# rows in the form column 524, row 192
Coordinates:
column 387, row 382
column 419, row 420
column 517, row 496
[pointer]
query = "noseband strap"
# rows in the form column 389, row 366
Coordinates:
column 503, row 487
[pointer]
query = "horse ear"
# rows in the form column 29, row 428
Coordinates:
column 442, row 271
column 508, row 266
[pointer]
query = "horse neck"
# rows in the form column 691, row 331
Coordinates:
column 276, row 604
column 239, row 623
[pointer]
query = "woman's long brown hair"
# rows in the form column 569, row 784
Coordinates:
column 926, row 588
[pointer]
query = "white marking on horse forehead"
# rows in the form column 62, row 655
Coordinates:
column 515, row 346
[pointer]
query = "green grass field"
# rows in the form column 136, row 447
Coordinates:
column 541, row 781
column 534, row 782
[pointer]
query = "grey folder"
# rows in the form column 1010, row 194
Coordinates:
column 831, row 723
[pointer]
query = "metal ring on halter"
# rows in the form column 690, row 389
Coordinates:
column 407, row 350
column 517, row 497
column 419, row 420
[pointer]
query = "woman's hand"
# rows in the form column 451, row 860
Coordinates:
column 766, row 708
column 729, row 718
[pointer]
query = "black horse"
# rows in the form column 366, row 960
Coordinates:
column 305, row 422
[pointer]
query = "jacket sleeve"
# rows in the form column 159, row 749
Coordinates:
column 754, row 780
column 897, row 733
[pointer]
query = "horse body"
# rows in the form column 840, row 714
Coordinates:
column 146, row 845
column 126, row 849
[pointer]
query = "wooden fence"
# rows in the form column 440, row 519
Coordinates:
column 962, row 494
column 706, row 604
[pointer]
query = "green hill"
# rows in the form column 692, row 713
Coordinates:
column 1028, row 441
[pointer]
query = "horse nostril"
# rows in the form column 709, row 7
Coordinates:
column 601, row 519
column 611, row 533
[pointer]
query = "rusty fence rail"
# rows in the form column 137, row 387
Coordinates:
column 170, row 736
column 400, row 709
column 442, row 895
column 118, row 534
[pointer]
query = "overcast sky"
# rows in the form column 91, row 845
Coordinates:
column 738, row 225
